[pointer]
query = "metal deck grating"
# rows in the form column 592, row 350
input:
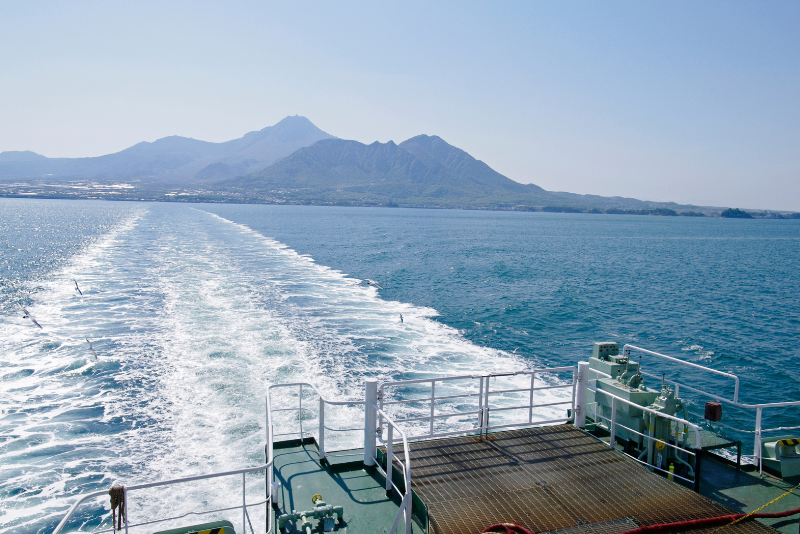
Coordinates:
column 547, row 479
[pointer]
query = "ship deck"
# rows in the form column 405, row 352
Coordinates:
column 547, row 479
column 555, row 478
column 340, row 481
column 745, row 491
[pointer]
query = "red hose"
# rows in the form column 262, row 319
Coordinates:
column 509, row 528
column 707, row 522
column 514, row 528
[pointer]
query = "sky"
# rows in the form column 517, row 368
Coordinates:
column 692, row 102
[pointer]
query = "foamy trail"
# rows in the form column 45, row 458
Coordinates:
column 193, row 316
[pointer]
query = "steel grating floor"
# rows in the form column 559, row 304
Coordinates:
column 547, row 479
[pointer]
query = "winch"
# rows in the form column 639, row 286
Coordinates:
column 637, row 430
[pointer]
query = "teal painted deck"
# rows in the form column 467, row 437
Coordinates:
column 745, row 491
column 550, row 479
column 367, row 509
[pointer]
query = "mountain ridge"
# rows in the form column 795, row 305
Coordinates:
column 423, row 171
column 173, row 159
column 295, row 162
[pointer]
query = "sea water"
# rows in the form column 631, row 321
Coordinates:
column 194, row 310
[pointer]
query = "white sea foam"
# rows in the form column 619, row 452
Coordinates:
column 52, row 402
column 192, row 322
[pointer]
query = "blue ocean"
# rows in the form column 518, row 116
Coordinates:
column 193, row 310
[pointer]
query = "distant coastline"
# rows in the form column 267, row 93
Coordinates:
column 294, row 162
column 41, row 192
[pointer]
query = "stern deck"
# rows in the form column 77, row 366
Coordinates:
column 367, row 509
column 547, row 479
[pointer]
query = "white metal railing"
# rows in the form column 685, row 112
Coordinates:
column 679, row 445
column 757, row 409
column 758, row 432
column 126, row 491
column 481, row 390
column 322, row 427
column 405, row 465
column 370, row 455
column 377, row 420
column 626, row 351
column 483, row 393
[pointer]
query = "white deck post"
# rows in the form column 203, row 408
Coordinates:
column 757, row 441
column 124, row 511
column 321, row 428
column 580, row 394
column 370, row 419
column 389, row 459
column 612, row 438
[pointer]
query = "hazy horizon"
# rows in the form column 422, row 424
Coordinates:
column 664, row 102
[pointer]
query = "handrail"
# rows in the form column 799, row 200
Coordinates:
column 605, row 375
column 615, row 399
column 312, row 386
column 186, row 515
column 84, row 498
column 406, row 504
column 676, row 447
column 691, row 425
column 423, row 380
column 483, row 394
column 322, row 402
column 758, row 407
column 743, row 405
column 628, row 347
column 405, row 507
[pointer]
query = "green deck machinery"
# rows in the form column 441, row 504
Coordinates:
column 624, row 381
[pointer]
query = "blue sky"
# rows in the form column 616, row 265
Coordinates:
column 695, row 102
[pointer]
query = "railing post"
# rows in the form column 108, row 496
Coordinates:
column 125, row 502
column 321, row 428
column 370, row 419
column 613, row 429
column 410, row 500
column 486, row 404
column 389, row 459
column 698, row 453
column 300, row 412
column 380, row 407
column 244, row 505
column 480, row 407
column 433, row 403
column 580, row 401
column 757, row 440
column 269, row 430
column 409, row 504
column 530, row 397
column 574, row 393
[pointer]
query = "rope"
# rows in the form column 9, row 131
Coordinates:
column 727, row 411
column 754, row 512
column 117, row 494
column 712, row 521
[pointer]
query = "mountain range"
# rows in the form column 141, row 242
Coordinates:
column 296, row 162
column 171, row 160
column 423, row 170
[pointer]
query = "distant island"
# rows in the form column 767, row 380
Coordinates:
column 735, row 213
column 294, row 162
